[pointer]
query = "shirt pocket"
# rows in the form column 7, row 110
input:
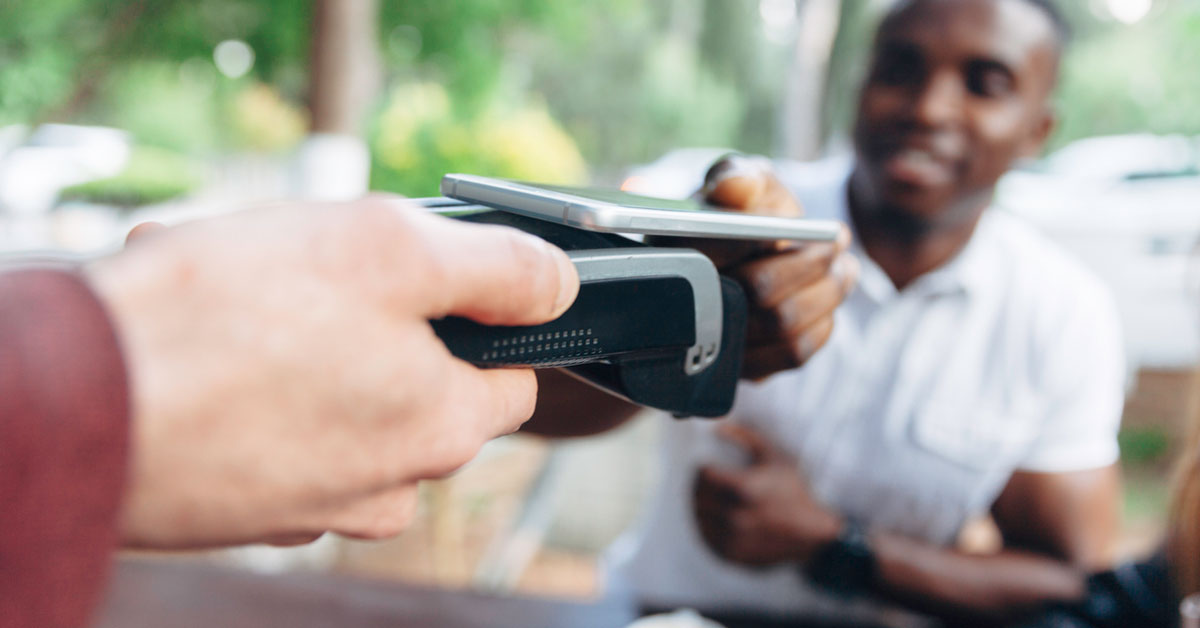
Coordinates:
column 972, row 436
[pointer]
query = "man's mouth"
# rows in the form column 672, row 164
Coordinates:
column 918, row 167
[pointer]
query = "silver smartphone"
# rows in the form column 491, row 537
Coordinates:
column 614, row 211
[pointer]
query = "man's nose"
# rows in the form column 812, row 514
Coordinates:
column 940, row 101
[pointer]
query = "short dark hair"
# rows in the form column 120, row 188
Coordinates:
column 1049, row 8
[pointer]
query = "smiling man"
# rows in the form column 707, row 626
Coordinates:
column 975, row 370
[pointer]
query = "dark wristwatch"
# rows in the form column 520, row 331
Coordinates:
column 845, row 566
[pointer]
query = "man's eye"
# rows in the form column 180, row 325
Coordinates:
column 989, row 81
column 898, row 69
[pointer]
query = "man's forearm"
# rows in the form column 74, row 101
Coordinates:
column 63, row 440
column 970, row 589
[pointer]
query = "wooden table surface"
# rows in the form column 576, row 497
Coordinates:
column 168, row 594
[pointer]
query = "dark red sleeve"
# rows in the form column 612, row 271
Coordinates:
column 64, row 423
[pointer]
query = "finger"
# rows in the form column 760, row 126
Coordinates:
column 749, row 439
column 142, row 230
column 720, row 485
column 762, row 362
column 379, row 516
column 509, row 395
column 714, row 531
column 735, row 182
column 717, row 505
column 771, row 279
column 473, row 407
column 804, row 308
column 847, row 269
column 813, row 338
column 742, row 184
column 492, row 274
column 748, row 184
column 292, row 540
column 787, row 321
column 765, row 360
column 725, row 254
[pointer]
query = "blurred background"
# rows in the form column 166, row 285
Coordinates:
column 118, row 111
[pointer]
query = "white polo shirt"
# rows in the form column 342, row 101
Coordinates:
column 913, row 416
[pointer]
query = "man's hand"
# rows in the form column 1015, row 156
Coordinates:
column 285, row 379
column 763, row 514
column 793, row 288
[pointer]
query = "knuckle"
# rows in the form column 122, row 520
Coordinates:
column 821, row 256
column 528, row 260
column 521, row 401
column 789, row 318
column 376, row 221
column 741, row 491
column 456, row 451
column 384, row 516
column 762, row 280
column 797, row 353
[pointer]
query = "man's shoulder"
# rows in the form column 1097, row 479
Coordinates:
column 1041, row 269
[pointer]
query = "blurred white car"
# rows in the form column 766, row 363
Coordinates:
column 1129, row 207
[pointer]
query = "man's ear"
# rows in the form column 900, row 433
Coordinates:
column 1039, row 132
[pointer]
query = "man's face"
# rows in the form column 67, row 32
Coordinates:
column 958, row 90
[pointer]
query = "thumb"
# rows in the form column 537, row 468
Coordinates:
column 749, row 439
column 142, row 230
column 748, row 184
column 495, row 275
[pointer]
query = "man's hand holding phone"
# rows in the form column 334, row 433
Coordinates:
column 793, row 288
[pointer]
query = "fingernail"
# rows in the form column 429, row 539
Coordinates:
column 843, row 238
column 568, row 279
column 805, row 348
column 763, row 284
column 720, row 168
column 729, row 167
column 787, row 318
column 846, row 269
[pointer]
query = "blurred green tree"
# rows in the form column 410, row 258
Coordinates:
column 1139, row 78
column 626, row 80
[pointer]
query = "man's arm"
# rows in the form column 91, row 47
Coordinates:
column 1056, row 526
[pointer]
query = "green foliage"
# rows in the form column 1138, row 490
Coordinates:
column 420, row 137
column 627, row 80
column 1143, row 445
column 263, row 121
column 36, row 70
column 54, row 53
column 646, row 78
column 464, row 43
column 1141, row 78
column 160, row 107
column 152, row 176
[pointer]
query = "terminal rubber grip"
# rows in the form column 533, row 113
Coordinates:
column 609, row 319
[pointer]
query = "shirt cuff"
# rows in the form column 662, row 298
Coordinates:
column 1078, row 457
column 64, row 442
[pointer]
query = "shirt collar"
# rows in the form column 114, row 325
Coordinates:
column 966, row 273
